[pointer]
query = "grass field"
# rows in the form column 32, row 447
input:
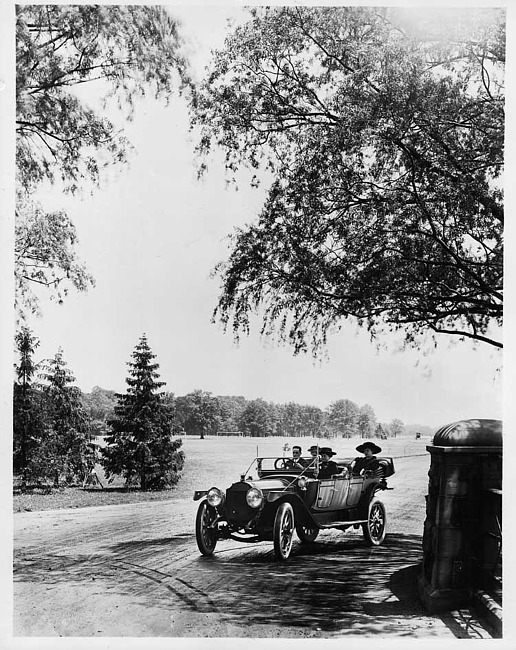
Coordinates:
column 220, row 461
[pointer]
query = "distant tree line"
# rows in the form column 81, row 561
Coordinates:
column 55, row 425
column 202, row 413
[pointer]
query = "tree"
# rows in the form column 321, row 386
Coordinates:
column 28, row 426
column 140, row 446
column 312, row 418
column 380, row 431
column 231, row 407
column 45, row 255
column 256, row 419
column 100, row 407
column 199, row 413
column 125, row 51
column 366, row 424
column 64, row 452
column 385, row 146
column 342, row 418
column 396, row 427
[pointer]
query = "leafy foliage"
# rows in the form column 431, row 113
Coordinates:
column 123, row 51
column 342, row 418
column 366, row 422
column 256, row 419
column 45, row 255
column 100, row 406
column 198, row 413
column 385, row 144
column 140, row 446
column 396, row 427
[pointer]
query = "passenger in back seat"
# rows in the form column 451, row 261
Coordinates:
column 368, row 461
column 327, row 468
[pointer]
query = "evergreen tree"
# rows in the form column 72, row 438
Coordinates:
column 64, row 451
column 27, row 421
column 141, row 447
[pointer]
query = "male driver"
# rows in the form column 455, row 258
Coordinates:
column 296, row 462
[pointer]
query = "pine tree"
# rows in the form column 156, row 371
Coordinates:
column 64, row 450
column 141, row 447
column 28, row 426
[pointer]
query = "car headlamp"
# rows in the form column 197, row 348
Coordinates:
column 301, row 481
column 254, row 497
column 214, row 497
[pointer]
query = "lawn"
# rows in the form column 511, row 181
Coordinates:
column 213, row 461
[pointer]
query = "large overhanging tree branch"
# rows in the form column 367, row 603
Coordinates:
column 386, row 148
column 121, row 51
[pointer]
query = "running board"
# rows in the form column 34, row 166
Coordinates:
column 337, row 524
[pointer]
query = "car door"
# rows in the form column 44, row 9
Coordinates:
column 324, row 494
column 355, row 491
column 332, row 493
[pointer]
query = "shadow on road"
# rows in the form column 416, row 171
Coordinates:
column 334, row 587
column 329, row 585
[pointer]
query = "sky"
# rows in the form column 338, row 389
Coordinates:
column 151, row 236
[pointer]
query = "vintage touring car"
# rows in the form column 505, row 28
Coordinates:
column 281, row 500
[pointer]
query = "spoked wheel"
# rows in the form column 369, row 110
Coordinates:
column 374, row 528
column 306, row 534
column 283, row 531
column 206, row 536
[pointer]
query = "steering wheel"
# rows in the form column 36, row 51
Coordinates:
column 280, row 463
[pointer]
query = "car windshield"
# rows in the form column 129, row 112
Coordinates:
column 279, row 464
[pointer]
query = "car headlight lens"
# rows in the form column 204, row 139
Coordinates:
column 301, row 481
column 254, row 497
column 214, row 497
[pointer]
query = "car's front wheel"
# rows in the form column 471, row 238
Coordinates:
column 374, row 527
column 283, row 533
column 206, row 535
column 306, row 534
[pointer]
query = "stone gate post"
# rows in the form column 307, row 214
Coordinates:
column 458, row 550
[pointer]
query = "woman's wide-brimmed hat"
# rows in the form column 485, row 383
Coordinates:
column 369, row 445
column 328, row 451
column 314, row 448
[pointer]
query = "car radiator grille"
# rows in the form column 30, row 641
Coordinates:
column 237, row 508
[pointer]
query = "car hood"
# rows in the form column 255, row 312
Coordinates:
column 265, row 484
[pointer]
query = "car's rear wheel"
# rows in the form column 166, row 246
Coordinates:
column 206, row 535
column 307, row 534
column 374, row 527
column 283, row 532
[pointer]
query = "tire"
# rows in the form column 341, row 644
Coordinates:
column 374, row 528
column 283, row 532
column 307, row 535
column 206, row 537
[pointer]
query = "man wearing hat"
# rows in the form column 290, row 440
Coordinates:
column 314, row 451
column 368, row 461
column 327, row 467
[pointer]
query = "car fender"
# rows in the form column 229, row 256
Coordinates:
column 300, row 507
column 367, row 495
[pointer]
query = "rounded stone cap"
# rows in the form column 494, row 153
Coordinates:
column 470, row 433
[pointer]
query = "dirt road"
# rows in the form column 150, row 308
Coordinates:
column 134, row 570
